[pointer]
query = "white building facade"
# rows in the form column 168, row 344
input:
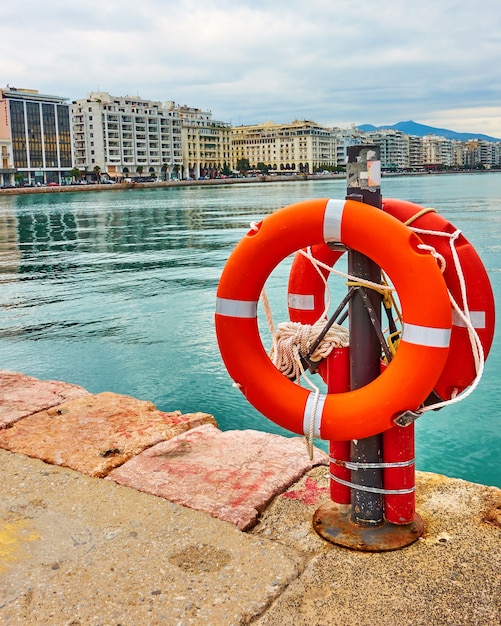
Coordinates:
column 345, row 138
column 126, row 137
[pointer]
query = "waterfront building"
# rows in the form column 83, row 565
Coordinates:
column 35, row 137
column 439, row 152
column 7, row 169
column 415, row 150
column 206, row 143
column 394, row 147
column 480, row 153
column 344, row 139
column 126, row 137
column 299, row 147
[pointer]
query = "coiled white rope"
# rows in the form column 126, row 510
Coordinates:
column 293, row 339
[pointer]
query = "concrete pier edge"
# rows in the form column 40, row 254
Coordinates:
column 113, row 512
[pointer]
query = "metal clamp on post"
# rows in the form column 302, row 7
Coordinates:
column 407, row 417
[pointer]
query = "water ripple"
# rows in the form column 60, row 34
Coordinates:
column 116, row 292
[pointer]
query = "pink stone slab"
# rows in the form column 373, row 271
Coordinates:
column 22, row 395
column 96, row 433
column 231, row 475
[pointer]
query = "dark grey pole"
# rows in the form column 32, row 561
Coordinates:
column 363, row 173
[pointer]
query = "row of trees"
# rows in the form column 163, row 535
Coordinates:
column 243, row 166
column 78, row 174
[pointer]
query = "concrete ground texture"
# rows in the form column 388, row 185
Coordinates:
column 115, row 513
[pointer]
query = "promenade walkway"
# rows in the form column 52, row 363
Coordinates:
column 115, row 513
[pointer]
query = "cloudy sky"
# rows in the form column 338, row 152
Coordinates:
column 338, row 62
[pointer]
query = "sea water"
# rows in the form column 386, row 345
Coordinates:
column 115, row 291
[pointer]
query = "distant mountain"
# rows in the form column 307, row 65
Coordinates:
column 413, row 128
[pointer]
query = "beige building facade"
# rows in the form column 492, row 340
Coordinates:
column 439, row 151
column 7, row 170
column 206, row 143
column 296, row 148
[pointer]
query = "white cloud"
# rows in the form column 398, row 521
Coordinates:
column 484, row 120
column 335, row 61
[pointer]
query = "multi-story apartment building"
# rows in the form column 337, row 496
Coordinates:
column 441, row 152
column 415, row 150
column 35, row 137
column 126, row 137
column 206, row 142
column 346, row 138
column 299, row 147
column 7, row 170
column 400, row 151
column 394, row 147
column 481, row 153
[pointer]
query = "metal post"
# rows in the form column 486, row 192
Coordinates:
column 363, row 174
column 361, row 525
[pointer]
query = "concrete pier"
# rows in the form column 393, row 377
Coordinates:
column 115, row 513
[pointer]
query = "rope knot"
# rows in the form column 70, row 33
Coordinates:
column 293, row 340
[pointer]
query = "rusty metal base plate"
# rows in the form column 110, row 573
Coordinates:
column 333, row 522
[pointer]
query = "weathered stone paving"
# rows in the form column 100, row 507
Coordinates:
column 160, row 541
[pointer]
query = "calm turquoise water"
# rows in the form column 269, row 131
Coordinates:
column 115, row 291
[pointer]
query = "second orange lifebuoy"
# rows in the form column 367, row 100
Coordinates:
column 459, row 370
column 306, row 290
column 426, row 310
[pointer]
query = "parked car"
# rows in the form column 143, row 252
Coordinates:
column 52, row 184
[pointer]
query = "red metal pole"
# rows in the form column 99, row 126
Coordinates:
column 398, row 447
column 335, row 371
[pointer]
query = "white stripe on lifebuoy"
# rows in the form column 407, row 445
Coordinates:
column 317, row 417
column 425, row 336
column 301, row 301
column 236, row 308
column 477, row 319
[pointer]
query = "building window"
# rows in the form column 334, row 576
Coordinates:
column 19, row 148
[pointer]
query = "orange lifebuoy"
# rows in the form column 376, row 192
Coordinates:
column 306, row 290
column 426, row 311
column 459, row 371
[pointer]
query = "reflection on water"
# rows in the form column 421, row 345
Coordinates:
column 115, row 291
